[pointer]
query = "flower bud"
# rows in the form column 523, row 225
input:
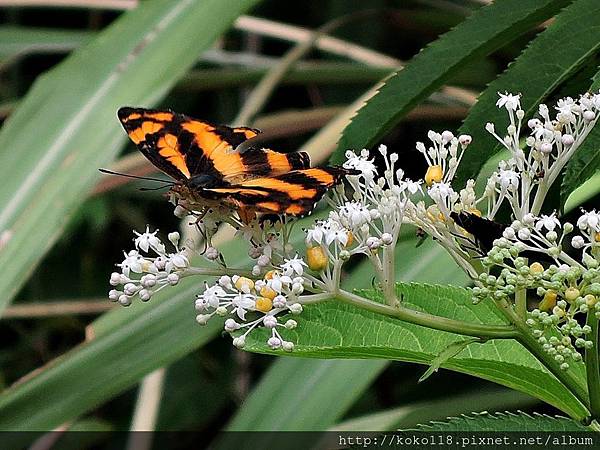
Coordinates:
column 316, row 258
column 287, row 346
column 231, row 325
column 274, row 342
column 270, row 321
column 291, row 324
column 434, row 174
column 571, row 294
column 239, row 342
column 296, row 308
column 174, row 237
column 536, row 268
column 590, row 300
column 203, row 319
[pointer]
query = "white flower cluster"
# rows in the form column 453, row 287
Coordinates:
column 524, row 179
column 248, row 304
column 143, row 275
column 543, row 234
column 367, row 218
column 376, row 209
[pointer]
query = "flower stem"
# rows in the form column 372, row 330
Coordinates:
column 428, row 320
column 521, row 302
column 389, row 276
column 592, row 366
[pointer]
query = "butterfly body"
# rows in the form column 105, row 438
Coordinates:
column 202, row 159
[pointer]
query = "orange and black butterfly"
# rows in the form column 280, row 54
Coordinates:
column 202, row 158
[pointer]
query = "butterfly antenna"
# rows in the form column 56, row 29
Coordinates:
column 126, row 175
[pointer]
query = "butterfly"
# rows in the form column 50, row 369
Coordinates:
column 202, row 159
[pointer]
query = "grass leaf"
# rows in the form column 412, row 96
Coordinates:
column 548, row 61
column 66, row 127
column 487, row 29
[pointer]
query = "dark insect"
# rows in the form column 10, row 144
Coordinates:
column 485, row 231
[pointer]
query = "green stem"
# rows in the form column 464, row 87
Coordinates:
column 389, row 276
column 566, row 377
column 429, row 320
column 521, row 302
column 592, row 366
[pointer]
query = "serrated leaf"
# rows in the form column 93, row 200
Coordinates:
column 548, row 61
column 333, row 330
column 413, row 414
column 585, row 163
column 487, row 29
column 506, row 421
column 66, row 126
column 449, row 352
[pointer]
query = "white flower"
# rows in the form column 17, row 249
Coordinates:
column 508, row 179
column 326, row 232
column 211, row 297
column 176, row 261
column 148, row 240
column 510, row 101
column 242, row 303
column 441, row 191
column 353, row 215
column 361, row 163
column 549, row 222
column 589, row 221
column 411, row 186
column 294, row 266
column 132, row 263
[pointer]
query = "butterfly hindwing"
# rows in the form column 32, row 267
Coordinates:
column 293, row 193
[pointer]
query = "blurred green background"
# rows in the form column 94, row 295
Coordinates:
column 207, row 69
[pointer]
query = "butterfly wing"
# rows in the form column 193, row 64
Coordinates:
column 294, row 193
column 185, row 148
column 485, row 231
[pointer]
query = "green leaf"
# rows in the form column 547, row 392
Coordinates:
column 549, row 60
column 309, row 386
column 487, row 29
column 332, row 330
column 107, row 365
column 66, row 127
column 17, row 41
column 585, row 163
column 414, row 413
column 449, row 352
column 300, row 395
column 507, row 421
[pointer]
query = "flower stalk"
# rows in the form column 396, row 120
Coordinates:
column 592, row 365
